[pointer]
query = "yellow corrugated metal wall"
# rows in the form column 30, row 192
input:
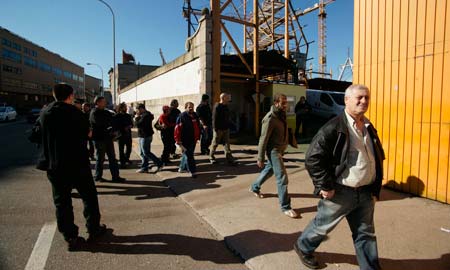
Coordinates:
column 402, row 52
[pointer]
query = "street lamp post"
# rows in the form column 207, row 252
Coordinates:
column 101, row 69
column 114, row 50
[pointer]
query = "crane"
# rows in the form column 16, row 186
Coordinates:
column 162, row 57
column 323, row 37
column 322, row 32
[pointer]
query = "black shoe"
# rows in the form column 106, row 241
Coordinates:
column 101, row 180
column 99, row 232
column 119, row 179
column 307, row 259
column 76, row 243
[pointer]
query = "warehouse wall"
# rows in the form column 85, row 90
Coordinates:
column 402, row 52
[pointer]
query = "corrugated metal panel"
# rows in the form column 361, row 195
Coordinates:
column 402, row 52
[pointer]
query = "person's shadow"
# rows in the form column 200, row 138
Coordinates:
column 259, row 242
column 199, row 249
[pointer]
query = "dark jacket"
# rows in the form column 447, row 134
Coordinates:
column 64, row 134
column 101, row 123
column 123, row 123
column 221, row 117
column 204, row 113
column 274, row 133
column 326, row 157
column 187, row 129
column 144, row 124
column 173, row 116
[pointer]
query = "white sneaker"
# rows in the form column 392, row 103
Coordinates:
column 256, row 193
column 291, row 213
column 182, row 171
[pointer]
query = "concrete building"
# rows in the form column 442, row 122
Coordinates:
column 190, row 75
column 128, row 73
column 29, row 71
column 93, row 88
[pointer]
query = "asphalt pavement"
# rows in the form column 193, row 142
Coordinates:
column 151, row 228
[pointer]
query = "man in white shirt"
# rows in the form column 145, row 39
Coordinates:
column 345, row 162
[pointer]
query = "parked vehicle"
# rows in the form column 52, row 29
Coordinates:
column 325, row 104
column 7, row 113
column 33, row 114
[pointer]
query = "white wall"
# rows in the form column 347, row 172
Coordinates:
column 183, row 80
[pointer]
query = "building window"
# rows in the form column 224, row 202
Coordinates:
column 30, row 62
column 80, row 79
column 30, row 85
column 29, row 51
column 45, row 67
column 10, row 55
column 11, row 44
column 291, row 104
column 12, row 69
column 57, row 71
column 12, row 82
column 25, row 97
column 6, row 42
column 67, row 74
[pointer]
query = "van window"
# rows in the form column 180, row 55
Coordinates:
column 325, row 98
column 338, row 98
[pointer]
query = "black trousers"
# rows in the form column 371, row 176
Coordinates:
column 169, row 143
column 124, row 148
column 62, row 185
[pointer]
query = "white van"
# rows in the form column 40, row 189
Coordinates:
column 326, row 104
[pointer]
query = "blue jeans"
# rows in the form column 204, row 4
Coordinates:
column 275, row 165
column 187, row 161
column 358, row 208
column 105, row 146
column 146, row 154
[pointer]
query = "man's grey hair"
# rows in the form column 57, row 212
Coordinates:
column 349, row 91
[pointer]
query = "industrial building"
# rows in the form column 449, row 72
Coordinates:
column 29, row 71
column 402, row 52
column 264, row 66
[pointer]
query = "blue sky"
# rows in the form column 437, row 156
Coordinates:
column 81, row 30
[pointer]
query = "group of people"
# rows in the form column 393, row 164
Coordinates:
column 344, row 160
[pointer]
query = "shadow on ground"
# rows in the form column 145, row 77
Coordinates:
column 199, row 249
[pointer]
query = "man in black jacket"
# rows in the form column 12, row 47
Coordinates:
column 345, row 162
column 221, row 129
column 145, row 133
column 124, row 123
column 102, row 134
column 66, row 160
column 174, row 112
column 205, row 115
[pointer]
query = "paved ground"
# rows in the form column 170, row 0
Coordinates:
column 408, row 228
column 156, row 230
column 152, row 228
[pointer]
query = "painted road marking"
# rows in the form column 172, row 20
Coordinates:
column 41, row 249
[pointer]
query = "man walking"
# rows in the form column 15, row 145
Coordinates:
column 273, row 142
column 221, row 125
column 145, row 133
column 124, row 123
column 66, row 160
column 205, row 115
column 302, row 111
column 345, row 162
column 86, row 109
column 174, row 112
column 187, row 133
column 102, row 134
